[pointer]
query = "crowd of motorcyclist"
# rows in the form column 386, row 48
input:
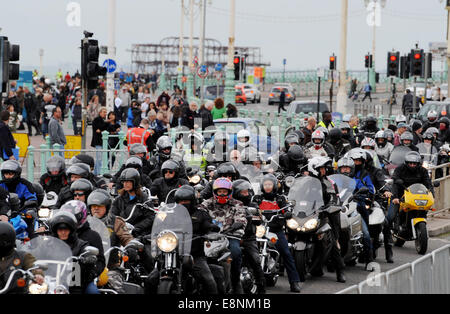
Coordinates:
column 219, row 200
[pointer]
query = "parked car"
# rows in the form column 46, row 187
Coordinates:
column 252, row 93
column 240, row 97
column 305, row 106
column 441, row 107
column 274, row 95
column 210, row 92
column 260, row 135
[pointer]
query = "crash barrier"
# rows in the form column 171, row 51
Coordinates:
column 441, row 193
column 36, row 159
column 429, row 274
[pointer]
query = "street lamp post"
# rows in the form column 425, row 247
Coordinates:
column 180, row 52
column 229, row 78
column 341, row 102
column 190, row 79
column 111, row 54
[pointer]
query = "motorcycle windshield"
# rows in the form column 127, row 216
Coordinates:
column 418, row 189
column 428, row 152
column 307, row 194
column 253, row 174
column 172, row 230
column 376, row 160
column 398, row 155
column 54, row 254
column 98, row 226
column 346, row 186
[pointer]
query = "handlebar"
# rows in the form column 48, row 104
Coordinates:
column 25, row 273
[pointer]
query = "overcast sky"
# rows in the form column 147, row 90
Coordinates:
column 305, row 32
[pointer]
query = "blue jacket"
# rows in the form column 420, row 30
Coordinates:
column 363, row 180
column 130, row 118
column 22, row 191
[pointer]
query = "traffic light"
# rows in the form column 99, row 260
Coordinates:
column 393, row 63
column 417, row 62
column 368, row 61
column 405, row 66
column 8, row 71
column 237, row 67
column 429, row 62
column 90, row 70
column 333, row 62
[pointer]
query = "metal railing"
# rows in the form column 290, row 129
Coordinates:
column 442, row 197
column 36, row 159
column 429, row 274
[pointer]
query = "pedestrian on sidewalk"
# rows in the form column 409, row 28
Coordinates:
column 46, row 113
column 7, row 142
column 76, row 115
column 98, row 126
column 368, row 91
column 125, row 96
column 56, row 131
column 282, row 101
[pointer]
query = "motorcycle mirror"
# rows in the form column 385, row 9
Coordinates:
column 363, row 190
column 90, row 250
column 107, row 176
column 389, row 181
column 436, row 184
column 399, row 181
column 253, row 211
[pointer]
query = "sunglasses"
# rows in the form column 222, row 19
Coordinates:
column 78, row 194
column 169, row 171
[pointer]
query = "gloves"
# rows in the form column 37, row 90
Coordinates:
column 288, row 215
column 91, row 259
column 236, row 226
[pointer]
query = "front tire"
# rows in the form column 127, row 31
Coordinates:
column 166, row 287
column 421, row 238
column 300, row 263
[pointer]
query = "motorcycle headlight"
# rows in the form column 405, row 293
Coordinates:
column 35, row 288
column 289, row 181
column 292, row 224
column 310, row 225
column 44, row 213
column 167, row 241
column 260, row 231
column 421, row 202
column 195, row 179
column 367, row 206
column 161, row 215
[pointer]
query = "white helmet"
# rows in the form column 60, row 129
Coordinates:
column 196, row 137
column 316, row 162
column 48, row 81
column 318, row 134
column 432, row 114
column 400, row 118
column 243, row 134
column 367, row 141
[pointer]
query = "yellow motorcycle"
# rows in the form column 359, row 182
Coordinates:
column 411, row 223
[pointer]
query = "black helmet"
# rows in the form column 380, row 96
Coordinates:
column 14, row 202
column 301, row 135
column 371, row 120
column 417, row 124
column 7, row 238
column 56, row 163
column 227, row 169
column 335, row 135
column 134, row 162
column 242, row 185
column 291, row 138
column 40, row 193
column 83, row 158
column 170, row 165
column 269, row 177
column 82, row 185
column 99, row 197
column 131, row 174
column 186, row 193
column 63, row 218
column 428, row 136
column 295, row 153
column 412, row 157
column 138, row 149
column 162, row 143
column 77, row 169
column 11, row 166
column 444, row 120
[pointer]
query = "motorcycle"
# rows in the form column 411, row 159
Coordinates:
column 350, row 238
column 411, row 223
column 54, row 257
column 308, row 230
column 171, row 239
